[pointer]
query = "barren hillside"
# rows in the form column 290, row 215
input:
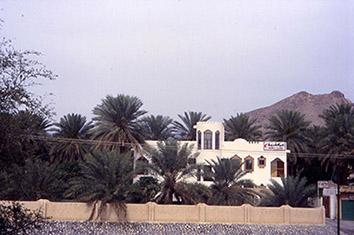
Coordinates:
column 308, row 104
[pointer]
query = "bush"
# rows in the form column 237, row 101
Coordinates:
column 15, row 219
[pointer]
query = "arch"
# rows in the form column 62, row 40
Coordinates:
column 277, row 168
column 208, row 139
column 262, row 162
column 217, row 140
column 199, row 139
column 237, row 158
column 249, row 163
column 140, row 170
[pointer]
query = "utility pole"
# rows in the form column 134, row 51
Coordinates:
column 338, row 196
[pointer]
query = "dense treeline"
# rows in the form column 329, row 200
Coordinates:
column 78, row 159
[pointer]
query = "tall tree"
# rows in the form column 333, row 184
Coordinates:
column 16, row 137
column 241, row 126
column 185, row 129
column 106, row 176
column 228, row 188
column 116, row 120
column 339, row 138
column 72, row 128
column 33, row 181
column 294, row 191
column 157, row 127
column 291, row 127
column 18, row 72
column 170, row 162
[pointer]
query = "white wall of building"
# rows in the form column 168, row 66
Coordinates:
column 239, row 147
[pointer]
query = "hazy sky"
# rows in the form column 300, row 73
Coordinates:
column 218, row 57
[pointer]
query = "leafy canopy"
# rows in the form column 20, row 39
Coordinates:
column 106, row 176
column 241, row 126
column 157, row 127
column 228, row 188
column 170, row 161
column 116, row 120
column 294, row 191
column 185, row 129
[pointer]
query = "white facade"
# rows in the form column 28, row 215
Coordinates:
column 263, row 160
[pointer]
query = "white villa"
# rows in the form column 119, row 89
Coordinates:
column 263, row 160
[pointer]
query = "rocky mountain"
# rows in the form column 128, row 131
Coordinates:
column 308, row 104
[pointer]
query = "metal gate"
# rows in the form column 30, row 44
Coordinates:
column 347, row 209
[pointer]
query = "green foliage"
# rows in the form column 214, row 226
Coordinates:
column 185, row 129
column 293, row 192
column 33, row 181
column 16, row 144
column 15, row 219
column 116, row 120
column 241, row 126
column 170, row 162
column 73, row 127
column 192, row 193
column 106, row 176
column 144, row 190
column 339, row 137
column 228, row 188
column 157, row 127
column 290, row 127
column 18, row 72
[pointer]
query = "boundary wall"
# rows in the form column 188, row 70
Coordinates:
column 201, row 213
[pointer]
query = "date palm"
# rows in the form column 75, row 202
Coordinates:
column 157, row 127
column 294, row 191
column 241, row 126
column 71, row 128
column 34, row 180
column 228, row 188
column 106, row 177
column 170, row 163
column 290, row 127
column 339, row 137
column 116, row 120
column 185, row 129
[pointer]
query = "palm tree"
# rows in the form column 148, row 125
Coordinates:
column 228, row 188
column 33, row 181
column 193, row 193
column 241, row 126
column 72, row 127
column 293, row 192
column 144, row 190
column 339, row 137
column 291, row 127
column 117, row 121
column 170, row 163
column 106, row 176
column 157, row 127
column 185, row 129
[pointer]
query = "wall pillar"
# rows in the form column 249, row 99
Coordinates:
column 201, row 209
column 286, row 214
column 151, row 208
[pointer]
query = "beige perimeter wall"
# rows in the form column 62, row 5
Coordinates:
column 201, row 213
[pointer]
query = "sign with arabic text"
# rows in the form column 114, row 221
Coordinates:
column 274, row 146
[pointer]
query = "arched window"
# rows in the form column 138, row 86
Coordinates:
column 217, row 140
column 277, row 168
column 261, row 162
column 249, row 164
column 207, row 173
column 237, row 158
column 140, row 169
column 208, row 142
column 199, row 140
